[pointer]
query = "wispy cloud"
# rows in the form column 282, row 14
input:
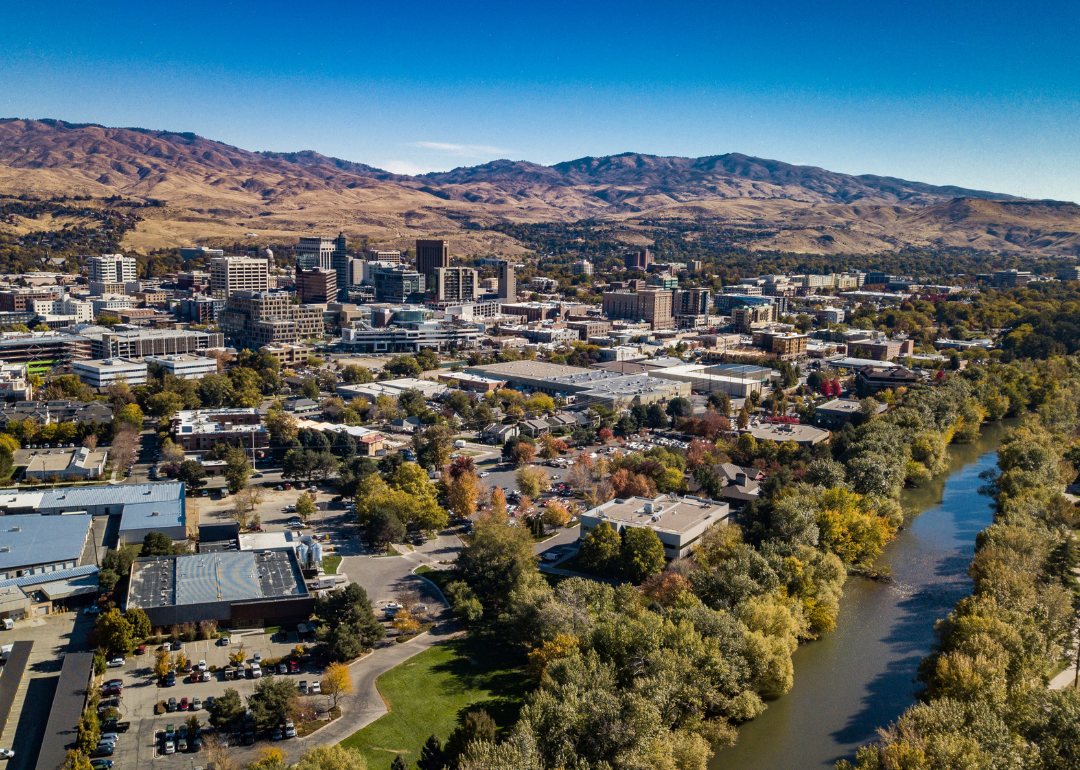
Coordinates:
column 462, row 150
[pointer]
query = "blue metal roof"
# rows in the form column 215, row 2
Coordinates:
column 49, row 577
column 119, row 494
column 216, row 577
column 170, row 513
column 41, row 539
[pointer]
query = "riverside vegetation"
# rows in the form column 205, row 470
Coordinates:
column 657, row 675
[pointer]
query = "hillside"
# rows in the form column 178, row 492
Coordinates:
column 217, row 193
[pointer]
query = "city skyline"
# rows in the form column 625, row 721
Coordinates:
column 921, row 91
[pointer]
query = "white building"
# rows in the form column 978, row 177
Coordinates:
column 80, row 312
column 185, row 366
column 231, row 274
column 110, row 302
column 679, row 522
column 315, row 252
column 584, row 267
column 14, row 383
column 112, row 268
column 108, row 371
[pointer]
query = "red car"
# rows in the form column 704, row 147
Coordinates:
column 294, row 667
column 183, row 704
column 140, row 650
column 113, row 690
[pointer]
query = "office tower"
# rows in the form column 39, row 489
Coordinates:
column 315, row 252
column 316, row 286
column 397, row 284
column 229, row 274
column 430, row 255
column 455, row 284
column 639, row 260
column 339, row 262
column 652, row 305
column 255, row 318
column 584, row 267
column 383, row 255
column 691, row 301
column 507, row 281
column 112, row 268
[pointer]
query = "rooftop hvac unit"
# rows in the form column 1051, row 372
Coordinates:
column 16, row 529
column 5, row 549
column 648, row 509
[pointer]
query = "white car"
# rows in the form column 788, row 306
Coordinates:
column 315, row 688
column 116, row 662
column 6, row 753
column 170, row 747
column 201, row 666
column 258, row 657
column 484, row 474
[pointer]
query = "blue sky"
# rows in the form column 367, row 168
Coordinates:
column 983, row 95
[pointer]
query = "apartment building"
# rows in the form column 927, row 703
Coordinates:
column 638, row 260
column 391, row 256
column 651, row 305
column 455, row 284
column 745, row 318
column 200, row 309
column 691, row 301
column 339, row 263
column 583, row 267
column 229, row 274
column 201, row 429
column 22, row 300
column 316, row 286
column 112, row 268
column 785, row 345
column 253, row 319
column 315, row 251
column 80, row 312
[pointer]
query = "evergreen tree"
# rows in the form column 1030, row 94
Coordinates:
column 432, row 756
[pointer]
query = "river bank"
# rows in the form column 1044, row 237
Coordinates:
column 861, row 676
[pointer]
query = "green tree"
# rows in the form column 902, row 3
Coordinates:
column 657, row 417
column 76, row 760
column 399, row 763
column 384, row 527
column 156, row 544
column 272, row 700
column 164, row 404
column 305, row 507
column 532, row 481
column 600, row 550
column 496, row 560
column 140, row 623
column 432, row 756
column 357, row 374
column 642, row 554
column 226, row 709
column 237, row 469
column 192, row 474
column 433, row 446
column 477, row 726
column 427, row 359
column 335, row 757
column 113, row 633
column 310, row 388
column 680, row 407
column 403, row 366
column 349, row 623
column 130, row 414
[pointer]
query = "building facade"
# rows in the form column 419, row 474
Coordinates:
column 184, row 366
column 112, row 268
column 431, row 254
column 315, row 252
column 109, row 371
column 651, row 305
column 316, row 286
column 253, row 319
column 507, row 281
column 397, row 284
column 230, row 274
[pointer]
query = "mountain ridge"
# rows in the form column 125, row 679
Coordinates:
column 214, row 190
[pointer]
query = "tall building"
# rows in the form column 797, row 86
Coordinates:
column 507, row 281
column 430, row 255
column 691, row 301
column 112, row 268
column 584, row 267
column 652, row 305
column 339, row 261
column 316, row 286
column 229, row 274
column 315, row 252
column 639, row 260
column 455, row 284
column 253, row 319
column 397, row 284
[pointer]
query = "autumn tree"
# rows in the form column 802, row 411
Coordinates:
column 337, row 681
column 532, row 481
column 522, row 453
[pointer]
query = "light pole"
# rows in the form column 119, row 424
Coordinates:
column 329, row 716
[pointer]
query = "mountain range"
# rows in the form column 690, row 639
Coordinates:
column 217, row 193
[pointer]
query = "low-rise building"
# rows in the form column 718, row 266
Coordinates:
column 34, row 545
column 108, row 371
column 871, row 380
column 54, row 412
column 201, row 429
column 185, row 366
column 803, row 435
column 68, row 464
column 835, row 414
column 15, row 383
column 679, row 522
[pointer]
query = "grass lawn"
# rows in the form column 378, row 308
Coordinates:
column 330, row 563
column 440, row 577
column 433, row 691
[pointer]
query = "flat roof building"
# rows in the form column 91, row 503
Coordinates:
column 803, row 435
column 200, row 429
column 230, row 274
column 63, row 464
column 34, row 544
column 240, row 588
column 108, row 371
column 185, row 366
column 679, row 522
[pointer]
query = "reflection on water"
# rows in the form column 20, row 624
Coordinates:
column 861, row 676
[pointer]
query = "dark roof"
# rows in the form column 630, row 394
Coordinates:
column 10, row 678
column 67, row 708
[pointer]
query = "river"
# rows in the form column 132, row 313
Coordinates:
column 861, row 676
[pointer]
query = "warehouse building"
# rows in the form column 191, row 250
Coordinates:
column 237, row 589
column 33, row 596
column 35, row 545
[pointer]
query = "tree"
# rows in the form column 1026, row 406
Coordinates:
column 337, row 681
column 551, row 447
column 162, row 664
column 477, row 726
column 309, row 388
column 350, row 623
column 171, row 452
column 273, row 699
column 140, row 623
column 432, row 756
column 642, row 554
column 427, row 359
column 605, row 435
column 164, row 404
column 532, row 481
column 743, row 419
column 281, row 427
column 333, row 757
column 156, row 544
column 680, row 407
column 305, row 507
column 656, row 416
column 192, row 474
column 237, row 469
column 76, row 760
column 433, row 446
column 357, row 374
column 498, row 502
column 130, row 414
column 113, row 633
column 600, row 550
column 556, row 515
column 399, row 763
column 522, row 453
column 384, row 527
column 403, row 366
column 496, row 560
column 463, row 494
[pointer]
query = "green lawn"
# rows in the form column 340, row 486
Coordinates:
column 330, row 563
column 432, row 691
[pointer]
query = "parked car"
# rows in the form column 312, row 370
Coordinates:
column 176, row 646
column 140, row 650
column 170, row 706
column 94, row 610
column 256, row 671
column 290, row 730
column 116, row 662
column 181, row 745
column 201, row 666
column 103, row 751
column 113, row 683
column 294, row 667
column 303, row 687
column 205, row 676
column 183, row 704
column 224, row 641
column 277, row 736
column 99, row 764
column 196, row 704
column 170, row 747
column 257, row 657
column 282, row 668
column 112, row 690
column 315, row 688
column 170, row 680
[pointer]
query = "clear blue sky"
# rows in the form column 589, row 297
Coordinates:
column 983, row 95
